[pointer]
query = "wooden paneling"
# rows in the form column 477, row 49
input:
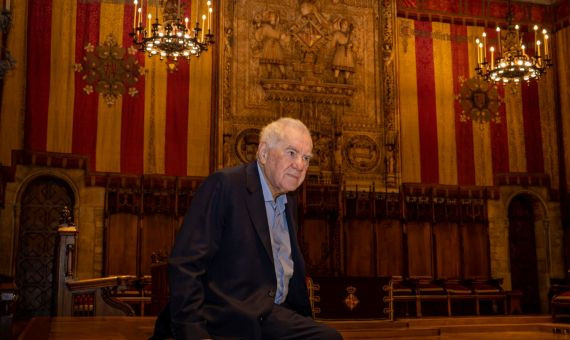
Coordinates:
column 157, row 238
column 359, row 241
column 122, row 244
column 419, row 249
column 447, row 250
column 316, row 244
column 389, row 245
column 475, row 250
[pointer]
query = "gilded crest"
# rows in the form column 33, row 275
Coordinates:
column 246, row 144
column 361, row 152
column 351, row 300
column 110, row 69
column 479, row 101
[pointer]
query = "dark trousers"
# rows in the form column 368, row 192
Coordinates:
column 283, row 323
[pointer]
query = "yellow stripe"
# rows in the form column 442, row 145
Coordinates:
column 62, row 76
column 155, row 112
column 407, row 87
column 481, row 132
column 108, row 152
column 563, row 51
column 548, row 127
column 13, row 95
column 447, row 149
column 515, row 128
column 155, row 115
column 199, row 115
column 199, row 112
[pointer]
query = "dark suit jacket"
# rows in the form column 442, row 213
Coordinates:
column 221, row 272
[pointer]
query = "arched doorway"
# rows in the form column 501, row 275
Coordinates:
column 522, row 251
column 41, row 204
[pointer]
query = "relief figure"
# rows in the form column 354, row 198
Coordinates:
column 343, row 57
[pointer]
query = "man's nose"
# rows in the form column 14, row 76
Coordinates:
column 299, row 163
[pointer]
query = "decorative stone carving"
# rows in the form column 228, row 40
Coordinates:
column 343, row 58
column 273, row 42
column 309, row 36
column 246, row 144
column 361, row 152
column 328, row 63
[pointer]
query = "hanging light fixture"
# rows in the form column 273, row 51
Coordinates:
column 511, row 61
column 173, row 38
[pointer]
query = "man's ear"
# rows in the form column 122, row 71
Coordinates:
column 262, row 152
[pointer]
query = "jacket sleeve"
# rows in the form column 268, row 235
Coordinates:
column 196, row 243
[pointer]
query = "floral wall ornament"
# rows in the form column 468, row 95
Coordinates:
column 110, row 69
column 479, row 101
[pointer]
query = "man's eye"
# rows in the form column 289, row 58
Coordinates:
column 307, row 159
column 291, row 153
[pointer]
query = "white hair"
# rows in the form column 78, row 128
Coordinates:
column 275, row 132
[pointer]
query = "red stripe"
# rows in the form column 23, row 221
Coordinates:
column 38, row 74
column 177, row 120
column 532, row 130
column 499, row 138
column 85, row 105
column 463, row 130
column 132, row 116
column 426, row 104
column 499, row 134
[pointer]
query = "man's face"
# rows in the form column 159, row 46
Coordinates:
column 285, row 165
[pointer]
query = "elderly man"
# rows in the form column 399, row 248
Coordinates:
column 236, row 270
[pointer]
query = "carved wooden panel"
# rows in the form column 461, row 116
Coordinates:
column 447, row 250
column 475, row 252
column 318, row 238
column 419, row 249
column 42, row 201
column 390, row 253
column 359, row 247
column 121, row 244
column 158, row 233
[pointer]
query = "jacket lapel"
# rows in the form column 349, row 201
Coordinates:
column 256, row 207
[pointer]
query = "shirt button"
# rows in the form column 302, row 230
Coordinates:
column 271, row 293
column 261, row 319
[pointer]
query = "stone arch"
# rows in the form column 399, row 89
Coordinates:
column 541, row 241
column 548, row 236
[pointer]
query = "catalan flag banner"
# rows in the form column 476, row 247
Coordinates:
column 458, row 129
column 91, row 92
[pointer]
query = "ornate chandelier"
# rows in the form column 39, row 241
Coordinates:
column 511, row 62
column 173, row 38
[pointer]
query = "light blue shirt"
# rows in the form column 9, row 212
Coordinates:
column 280, row 240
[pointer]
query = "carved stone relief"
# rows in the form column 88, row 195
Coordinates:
column 326, row 62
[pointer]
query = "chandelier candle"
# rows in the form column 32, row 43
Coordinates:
column 135, row 15
column 169, row 35
column 512, row 64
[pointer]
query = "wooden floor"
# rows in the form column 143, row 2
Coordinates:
column 468, row 328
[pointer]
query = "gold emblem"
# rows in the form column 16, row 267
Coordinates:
column 479, row 101
column 110, row 70
column 351, row 300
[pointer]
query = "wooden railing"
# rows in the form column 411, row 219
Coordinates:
column 104, row 296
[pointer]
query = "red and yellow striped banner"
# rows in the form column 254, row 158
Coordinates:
column 164, row 128
column 438, row 146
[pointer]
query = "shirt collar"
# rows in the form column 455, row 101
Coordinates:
column 267, row 195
